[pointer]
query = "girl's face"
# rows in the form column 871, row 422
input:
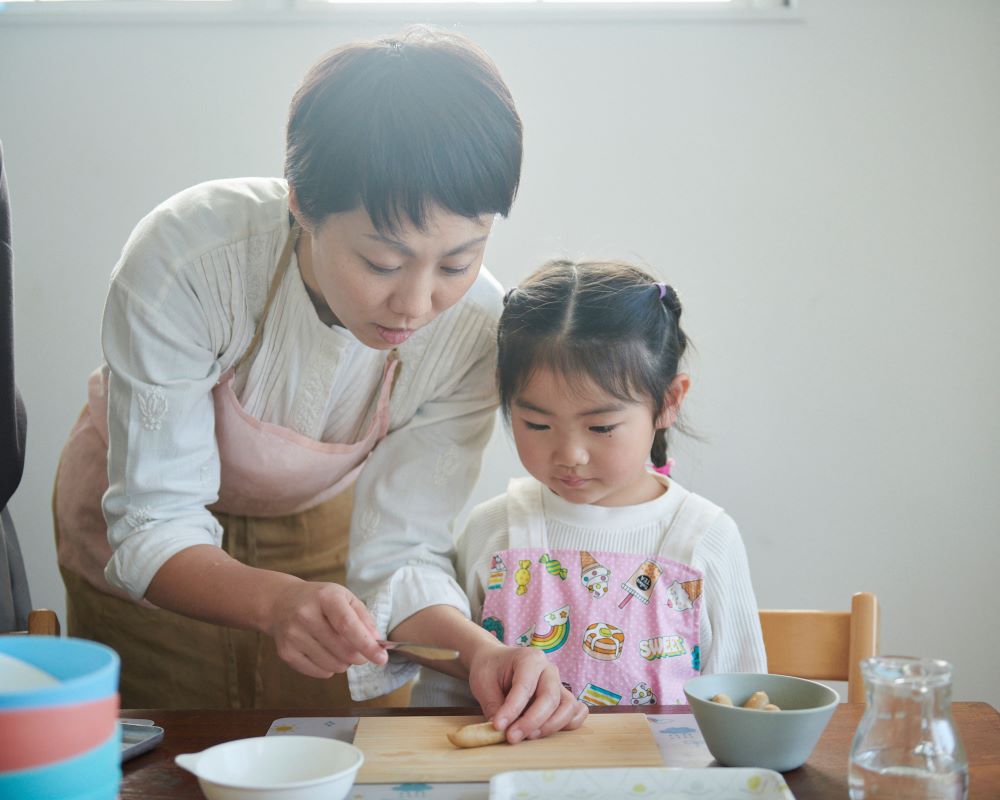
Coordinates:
column 384, row 287
column 584, row 444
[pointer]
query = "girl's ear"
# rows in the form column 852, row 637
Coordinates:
column 675, row 397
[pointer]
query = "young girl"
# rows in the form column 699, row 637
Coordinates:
column 629, row 582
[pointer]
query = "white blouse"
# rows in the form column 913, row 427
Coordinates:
column 182, row 307
column 730, row 637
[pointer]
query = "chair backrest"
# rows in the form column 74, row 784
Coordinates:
column 40, row 621
column 824, row 645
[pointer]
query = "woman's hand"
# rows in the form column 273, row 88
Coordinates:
column 519, row 689
column 321, row 629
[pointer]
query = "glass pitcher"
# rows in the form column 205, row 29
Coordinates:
column 906, row 745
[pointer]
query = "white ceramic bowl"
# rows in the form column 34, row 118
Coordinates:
column 742, row 737
column 276, row 767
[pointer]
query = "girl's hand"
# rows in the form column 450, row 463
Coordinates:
column 519, row 689
column 321, row 629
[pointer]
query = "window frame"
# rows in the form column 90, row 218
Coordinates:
column 431, row 11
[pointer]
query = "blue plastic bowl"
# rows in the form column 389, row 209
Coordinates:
column 94, row 775
column 107, row 792
column 85, row 670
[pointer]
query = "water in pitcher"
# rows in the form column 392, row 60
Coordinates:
column 870, row 780
column 906, row 746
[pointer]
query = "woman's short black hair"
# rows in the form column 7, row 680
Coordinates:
column 401, row 124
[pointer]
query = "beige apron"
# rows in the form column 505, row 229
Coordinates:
column 284, row 505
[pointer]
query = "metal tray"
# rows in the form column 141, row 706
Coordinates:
column 138, row 739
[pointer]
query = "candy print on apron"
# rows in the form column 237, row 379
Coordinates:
column 623, row 628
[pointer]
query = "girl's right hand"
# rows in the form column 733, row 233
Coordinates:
column 322, row 628
column 519, row 689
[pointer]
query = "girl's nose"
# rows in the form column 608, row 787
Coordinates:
column 571, row 454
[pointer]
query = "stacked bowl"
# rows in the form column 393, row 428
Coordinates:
column 59, row 732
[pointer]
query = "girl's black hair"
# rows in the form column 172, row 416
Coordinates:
column 601, row 320
column 400, row 124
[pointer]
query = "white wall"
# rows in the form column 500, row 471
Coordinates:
column 823, row 193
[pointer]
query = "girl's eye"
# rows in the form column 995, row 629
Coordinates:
column 603, row 428
column 380, row 270
column 534, row 426
column 456, row 270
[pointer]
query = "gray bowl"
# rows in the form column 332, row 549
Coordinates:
column 743, row 737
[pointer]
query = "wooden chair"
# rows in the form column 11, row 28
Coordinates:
column 824, row 645
column 41, row 621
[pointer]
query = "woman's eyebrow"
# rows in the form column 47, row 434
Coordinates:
column 467, row 245
column 406, row 250
column 395, row 244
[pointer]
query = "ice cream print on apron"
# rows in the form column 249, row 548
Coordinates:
column 623, row 628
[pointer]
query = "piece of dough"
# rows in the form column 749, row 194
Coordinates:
column 478, row 734
column 757, row 700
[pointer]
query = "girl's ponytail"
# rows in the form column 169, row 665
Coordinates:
column 658, row 453
column 670, row 300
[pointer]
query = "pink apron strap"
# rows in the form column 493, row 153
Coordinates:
column 283, row 261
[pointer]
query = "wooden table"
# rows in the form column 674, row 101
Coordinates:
column 154, row 776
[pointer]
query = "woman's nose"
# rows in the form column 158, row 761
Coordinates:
column 414, row 298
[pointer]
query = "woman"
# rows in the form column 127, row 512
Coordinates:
column 268, row 342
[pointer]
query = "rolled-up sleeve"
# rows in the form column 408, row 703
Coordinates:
column 163, row 464
column 407, row 499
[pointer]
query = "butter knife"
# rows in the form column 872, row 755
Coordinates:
column 428, row 651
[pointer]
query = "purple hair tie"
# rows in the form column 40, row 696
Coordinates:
column 663, row 290
column 508, row 293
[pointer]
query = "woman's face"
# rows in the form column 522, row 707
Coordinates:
column 382, row 287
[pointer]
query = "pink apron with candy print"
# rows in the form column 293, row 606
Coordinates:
column 623, row 628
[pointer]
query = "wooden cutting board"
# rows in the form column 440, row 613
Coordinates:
column 417, row 750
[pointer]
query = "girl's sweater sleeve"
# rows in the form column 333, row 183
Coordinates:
column 732, row 615
column 484, row 534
